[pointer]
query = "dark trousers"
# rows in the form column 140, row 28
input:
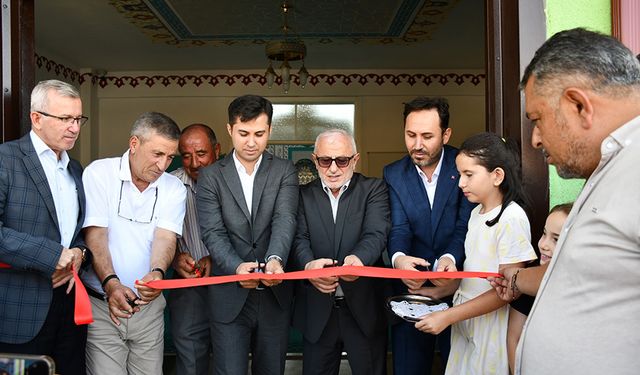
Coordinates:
column 261, row 328
column 413, row 350
column 366, row 355
column 190, row 329
column 60, row 338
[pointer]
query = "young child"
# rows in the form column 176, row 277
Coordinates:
column 498, row 237
column 519, row 309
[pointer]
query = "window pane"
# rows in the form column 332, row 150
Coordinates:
column 306, row 121
column 283, row 123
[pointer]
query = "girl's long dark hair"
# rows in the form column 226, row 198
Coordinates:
column 491, row 151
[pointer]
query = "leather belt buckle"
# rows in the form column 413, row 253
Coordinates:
column 339, row 302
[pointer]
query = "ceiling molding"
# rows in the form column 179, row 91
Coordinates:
column 181, row 80
column 185, row 23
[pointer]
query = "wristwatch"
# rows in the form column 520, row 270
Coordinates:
column 84, row 252
column 276, row 257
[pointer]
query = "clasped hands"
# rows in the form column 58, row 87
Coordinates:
column 406, row 262
column 123, row 302
column 188, row 268
column 64, row 273
column 271, row 267
column 329, row 284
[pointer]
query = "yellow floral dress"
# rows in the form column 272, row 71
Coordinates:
column 479, row 345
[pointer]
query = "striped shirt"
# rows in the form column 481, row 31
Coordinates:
column 190, row 242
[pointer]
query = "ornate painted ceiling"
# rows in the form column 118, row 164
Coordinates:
column 180, row 22
column 116, row 35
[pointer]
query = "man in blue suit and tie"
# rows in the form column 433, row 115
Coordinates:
column 429, row 216
column 42, row 207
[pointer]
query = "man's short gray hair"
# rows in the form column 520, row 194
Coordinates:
column 39, row 94
column 331, row 132
column 150, row 123
column 582, row 57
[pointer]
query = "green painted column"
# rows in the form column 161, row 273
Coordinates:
column 562, row 15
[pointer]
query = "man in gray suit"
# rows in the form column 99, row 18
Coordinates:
column 247, row 206
column 42, row 206
column 343, row 219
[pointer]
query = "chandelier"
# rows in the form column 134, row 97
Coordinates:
column 286, row 50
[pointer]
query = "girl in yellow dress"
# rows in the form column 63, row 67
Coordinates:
column 499, row 236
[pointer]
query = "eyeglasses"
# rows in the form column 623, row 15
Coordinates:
column 341, row 161
column 135, row 220
column 67, row 120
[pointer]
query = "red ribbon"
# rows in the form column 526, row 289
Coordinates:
column 386, row 273
column 82, row 313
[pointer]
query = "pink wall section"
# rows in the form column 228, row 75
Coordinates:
column 630, row 17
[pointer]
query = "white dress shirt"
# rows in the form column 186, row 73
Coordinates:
column 333, row 199
column 62, row 186
column 246, row 179
column 334, row 210
column 430, row 187
column 130, row 215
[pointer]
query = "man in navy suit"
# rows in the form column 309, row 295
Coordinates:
column 429, row 216
column 42, row 207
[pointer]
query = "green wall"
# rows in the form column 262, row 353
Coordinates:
column 563, row 15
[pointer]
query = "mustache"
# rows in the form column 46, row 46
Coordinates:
column 545, row 153
column 418, row 150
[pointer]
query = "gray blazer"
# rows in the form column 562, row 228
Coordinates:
column 29, row 239
column 233, row 236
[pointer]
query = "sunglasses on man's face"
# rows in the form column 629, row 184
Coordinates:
column 326, row 161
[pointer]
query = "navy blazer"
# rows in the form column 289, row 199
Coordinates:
column 361, row 228
column 418, row 230
column 30, row 239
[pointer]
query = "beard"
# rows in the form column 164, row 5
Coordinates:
column 430, row 159
column 574, row 166
column 578, row 154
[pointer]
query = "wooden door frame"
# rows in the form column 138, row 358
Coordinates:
column 18, row 67
column 514, row 30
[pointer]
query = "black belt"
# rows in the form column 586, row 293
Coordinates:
column 339, row 302
column 95, row 294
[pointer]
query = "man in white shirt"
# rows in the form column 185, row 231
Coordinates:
column 247, row 206
column 429, row 216
column 41, row 213
column 135, row 212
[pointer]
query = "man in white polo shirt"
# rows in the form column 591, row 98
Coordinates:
column 135, row 212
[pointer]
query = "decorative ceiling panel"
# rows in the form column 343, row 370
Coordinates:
column 193, row 22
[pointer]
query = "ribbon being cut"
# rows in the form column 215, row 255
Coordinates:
column 361, row 271
column 83, row 306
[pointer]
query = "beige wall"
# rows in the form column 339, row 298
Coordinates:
column 378, row 127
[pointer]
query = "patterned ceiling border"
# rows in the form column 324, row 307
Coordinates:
column 247, row 79
column 426, row 21
column 58, row 69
